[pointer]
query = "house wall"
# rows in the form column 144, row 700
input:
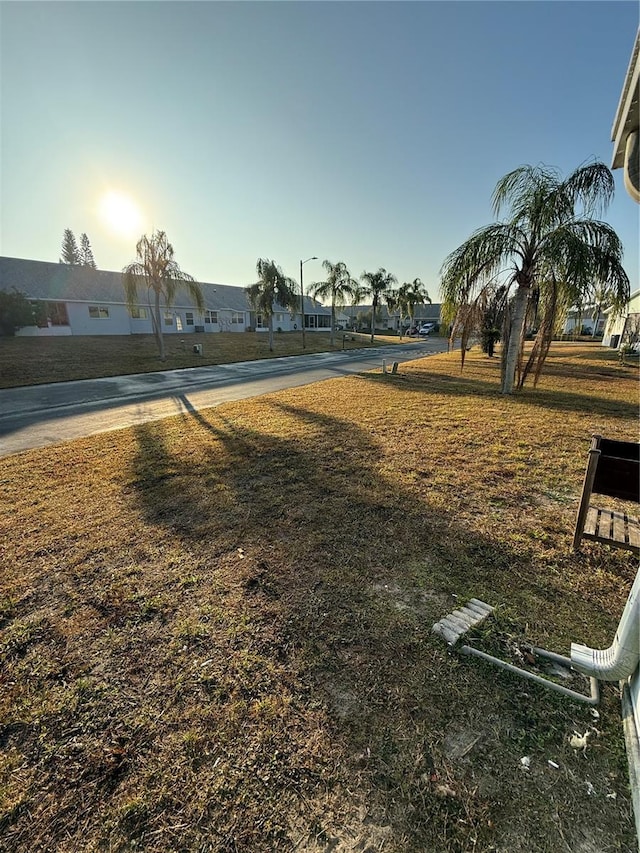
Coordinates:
column 292, row 322
column 587, row 322
column 49, row 332
column 119, row 322
column 281, row 319
column 615, row 324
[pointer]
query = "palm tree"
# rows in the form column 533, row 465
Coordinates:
column 156, row 269
column 410, row 294
column 271, row 288
column 601, row 299
column 393, row 299
column 338, row 287
column 549, row 244
column 376, row 284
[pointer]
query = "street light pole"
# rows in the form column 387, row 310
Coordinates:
column 302, row 299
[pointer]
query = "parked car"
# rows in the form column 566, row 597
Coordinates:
column 426, row 328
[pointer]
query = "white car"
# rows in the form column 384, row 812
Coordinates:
column 426, row 328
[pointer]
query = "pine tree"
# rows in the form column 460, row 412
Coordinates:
column 70, row 252
column 86, row 253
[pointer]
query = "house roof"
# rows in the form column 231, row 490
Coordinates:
column 44, row 280
column 63, row 282
column 422, row 311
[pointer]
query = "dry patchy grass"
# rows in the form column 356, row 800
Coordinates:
column 34, row 361
column 216, row 628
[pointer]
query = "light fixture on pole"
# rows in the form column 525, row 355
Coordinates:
column 302, row 298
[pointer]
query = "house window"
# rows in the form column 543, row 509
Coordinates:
column 50, row 314
column 168, row 319
column 178, row 323
column 259, row 321
column 279, row 318
column 189, row 318
column 211, row 316
column 98, row 312
column 238, row 317
column 138, row 313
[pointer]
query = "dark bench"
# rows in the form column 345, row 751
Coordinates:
column 613, row 470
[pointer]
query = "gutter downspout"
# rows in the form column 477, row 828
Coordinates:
column 622, row 658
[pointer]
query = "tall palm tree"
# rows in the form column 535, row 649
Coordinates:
column 393, row 299
column 376, row 284
column 339, row 287
column 412, row 293
column 550, row 241
column 156, row 269
column 273, row 287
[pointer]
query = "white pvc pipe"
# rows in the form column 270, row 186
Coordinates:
column 622, row 658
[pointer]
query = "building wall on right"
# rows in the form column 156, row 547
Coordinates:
column 625, row 134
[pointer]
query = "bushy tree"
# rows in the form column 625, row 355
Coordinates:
column 15, row 312
column 156, row 270
column 86, row 253
column 70, row 252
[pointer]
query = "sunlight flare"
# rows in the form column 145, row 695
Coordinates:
column 120, row 213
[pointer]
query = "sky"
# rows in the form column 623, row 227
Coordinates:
column 367, row 132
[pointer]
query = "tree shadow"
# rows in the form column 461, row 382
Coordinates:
column 437, row 383
column 352, row 570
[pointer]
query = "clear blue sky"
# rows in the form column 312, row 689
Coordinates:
column 368, row 132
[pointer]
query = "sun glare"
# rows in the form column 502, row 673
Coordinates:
column 120, row 213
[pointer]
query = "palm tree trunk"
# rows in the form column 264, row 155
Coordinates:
column 270, row 332
column 158, row 329
column 516, row 338
column 373, row 319
column 333, row 323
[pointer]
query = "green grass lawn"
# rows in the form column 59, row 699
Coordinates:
column 33, row 361
column 216, row 628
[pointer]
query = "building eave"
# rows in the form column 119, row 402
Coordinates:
column 628, row 113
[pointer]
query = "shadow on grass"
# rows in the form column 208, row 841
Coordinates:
column 351, row 571
column 438, row 383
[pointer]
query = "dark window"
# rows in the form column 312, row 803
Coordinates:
column 97, row 312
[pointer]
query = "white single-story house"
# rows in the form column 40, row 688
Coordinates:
column 75, row 300
column 579, row 319
column 620, row 328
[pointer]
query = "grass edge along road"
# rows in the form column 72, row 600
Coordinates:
column 36, row 361
column 216, row 628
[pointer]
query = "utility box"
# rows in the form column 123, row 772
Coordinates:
column 197, row 349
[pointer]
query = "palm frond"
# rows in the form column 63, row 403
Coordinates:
column 591, row 187
column 523, row 189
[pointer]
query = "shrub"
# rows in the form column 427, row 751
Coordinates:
column 15, row 312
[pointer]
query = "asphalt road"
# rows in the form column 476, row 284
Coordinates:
column 41, row 415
